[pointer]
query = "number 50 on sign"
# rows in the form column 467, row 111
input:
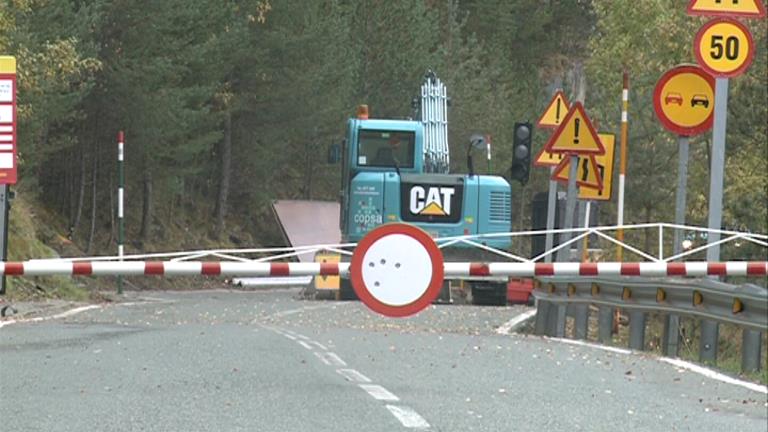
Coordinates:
column 724, row 48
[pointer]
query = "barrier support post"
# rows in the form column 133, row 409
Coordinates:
column 751, row 342
column 581, row 321
column 637, row 330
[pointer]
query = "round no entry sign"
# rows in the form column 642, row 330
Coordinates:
column 397, row 270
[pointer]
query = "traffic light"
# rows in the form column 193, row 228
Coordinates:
column 521, row 152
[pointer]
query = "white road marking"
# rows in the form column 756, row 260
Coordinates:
column 336, row 360
column 591, row 345
column 319, row 345
column 301, row 336
column 322, row 358
column 408, row 417
column 52, row 317
column 330, row 358
column 709, row 373
column 353, row 375
column 514, row 322
column 293, row 338
column 379, row 393
column 305, row 345
column 295, row 311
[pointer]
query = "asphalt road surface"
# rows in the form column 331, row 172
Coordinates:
column 266, row 361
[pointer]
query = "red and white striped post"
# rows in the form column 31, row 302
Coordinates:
column 120, row 208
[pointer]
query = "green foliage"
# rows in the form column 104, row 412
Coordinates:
column 288, row 73
column 646, row 38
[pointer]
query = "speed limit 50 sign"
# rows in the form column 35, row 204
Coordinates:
column 724, row 47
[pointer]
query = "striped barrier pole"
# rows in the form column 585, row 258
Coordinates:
column 622, row 163
column 120, row 208
column 451, row 270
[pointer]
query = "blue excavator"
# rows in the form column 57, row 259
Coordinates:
column 398, row 171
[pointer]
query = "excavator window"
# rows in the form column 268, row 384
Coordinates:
column 385, row 149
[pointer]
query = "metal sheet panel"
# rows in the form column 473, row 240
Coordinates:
column 307, row 223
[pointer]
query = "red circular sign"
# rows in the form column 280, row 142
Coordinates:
column 724, row 47
column 684, row 100
column 397, row 270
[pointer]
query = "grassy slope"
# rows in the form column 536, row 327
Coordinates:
column 30, row 236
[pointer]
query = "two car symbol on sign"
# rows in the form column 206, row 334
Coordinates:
column 677, row 98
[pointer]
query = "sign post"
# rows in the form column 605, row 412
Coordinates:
column 551, row 118
column 575, row 137
column 684, row 101
column 723, row 47
column 8, row 170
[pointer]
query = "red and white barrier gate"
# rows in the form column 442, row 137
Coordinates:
column 396, row 270
column 450, row 270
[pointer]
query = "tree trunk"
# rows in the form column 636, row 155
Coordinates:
column 94, row 177
column 146, row 209
column 226, row 168
column 80, row 198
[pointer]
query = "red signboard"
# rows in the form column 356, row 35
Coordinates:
column 7, row 121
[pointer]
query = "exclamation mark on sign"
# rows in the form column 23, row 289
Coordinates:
column 576, row 132
column 557, row 113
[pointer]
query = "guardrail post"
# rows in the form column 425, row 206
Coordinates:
column 637, row 330
column 542, row 312
column 751, row 341
column 559, row 321
column 708, row 346
column 670, row 343
column 604, row 323
column 556, row 320
column 581, row 321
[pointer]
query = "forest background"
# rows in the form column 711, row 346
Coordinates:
column 230, row 104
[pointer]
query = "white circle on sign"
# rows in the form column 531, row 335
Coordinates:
column 397, row 269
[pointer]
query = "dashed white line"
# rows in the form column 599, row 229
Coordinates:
column 336, row 360
column 305, row 345
column 319, row 345
column 408, row 417
column 301, row 336
column 293, row 338
column 353, row 375
column 322, row 358
column 379, row 393
column 330, row 358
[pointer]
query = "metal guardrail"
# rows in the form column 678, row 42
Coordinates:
column 706, row 299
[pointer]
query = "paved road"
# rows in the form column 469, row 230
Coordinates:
column 265, row 361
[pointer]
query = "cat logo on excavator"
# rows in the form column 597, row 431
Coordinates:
column 432, row 201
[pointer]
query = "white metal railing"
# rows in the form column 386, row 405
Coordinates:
column 471, row 241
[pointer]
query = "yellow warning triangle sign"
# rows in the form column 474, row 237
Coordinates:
column 545, row 159
column 728, row 8
column 575, row 134
column 433, row 210
column 555, row 112
column 587, row 174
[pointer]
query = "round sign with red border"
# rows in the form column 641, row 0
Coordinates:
column 724, row 47
column 684, row 100
column 397, row 270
